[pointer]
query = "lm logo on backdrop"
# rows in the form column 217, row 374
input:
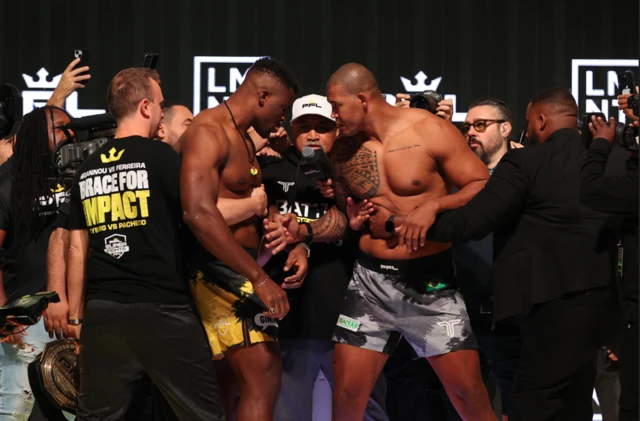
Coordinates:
column 215, row 78
column 594, row 84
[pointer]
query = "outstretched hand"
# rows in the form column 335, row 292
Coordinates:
column 358, row 213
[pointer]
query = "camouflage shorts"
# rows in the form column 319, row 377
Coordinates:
column 389, row 299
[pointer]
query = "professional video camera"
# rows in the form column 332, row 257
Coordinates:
column 91, row 133
column 427, row 100
column 10, row 110
column 626, row 136
column 25, row 311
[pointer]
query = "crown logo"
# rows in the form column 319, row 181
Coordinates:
column 113, row 156
column 42, row 80
column 57, row 189
column 420, row 86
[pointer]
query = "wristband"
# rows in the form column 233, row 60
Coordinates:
column 309, row 237
column 389, row 226
column 74, row 322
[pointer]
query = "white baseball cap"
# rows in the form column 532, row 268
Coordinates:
column 311, row 104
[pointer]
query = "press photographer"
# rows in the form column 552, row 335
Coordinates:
column 618, row 195
column 431, row 101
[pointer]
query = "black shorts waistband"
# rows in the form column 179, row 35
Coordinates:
column 440, row 263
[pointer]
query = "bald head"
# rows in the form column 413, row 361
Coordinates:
column 353, row 78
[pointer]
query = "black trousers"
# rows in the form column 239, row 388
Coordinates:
column 557, row 368
column 120, row 342
column 628, row 367
column 499, row 348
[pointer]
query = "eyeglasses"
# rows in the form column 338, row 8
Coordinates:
column 479, row 125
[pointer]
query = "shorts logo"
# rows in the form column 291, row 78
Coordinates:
column 116, row 245
column 348, row 323
column 221, row 323
column 389, row 267
column 264, row 322
column 449, row 324
column 216, row 78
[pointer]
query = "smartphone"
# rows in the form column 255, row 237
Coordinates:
column 150, row 61
column 83, row 55
column 626, row 84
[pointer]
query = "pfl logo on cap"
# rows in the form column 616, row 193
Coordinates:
column 311, row 104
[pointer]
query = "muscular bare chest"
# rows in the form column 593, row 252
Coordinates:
column 401, row 167
column 240, row 172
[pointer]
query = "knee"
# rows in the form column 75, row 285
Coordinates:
column 349, row 391
column 264, row 370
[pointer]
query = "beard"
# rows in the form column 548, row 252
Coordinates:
column 485, row 150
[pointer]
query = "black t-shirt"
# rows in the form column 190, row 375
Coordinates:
column 315, row 306
column 25, row 271
column 127, row 196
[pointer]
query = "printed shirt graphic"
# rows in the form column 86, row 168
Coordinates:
column 26, row 270
column 316, row 305
column 127, row 197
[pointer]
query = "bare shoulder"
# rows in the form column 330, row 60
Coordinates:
column 345, row 148
column 205, row 137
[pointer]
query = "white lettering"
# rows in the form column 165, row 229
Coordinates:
column 212, row 82
column 590, row 89
column 236, row 78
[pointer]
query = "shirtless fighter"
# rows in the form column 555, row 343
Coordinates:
column 237, row 301
column 404, row 161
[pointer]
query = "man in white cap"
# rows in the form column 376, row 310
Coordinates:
column 305, row 333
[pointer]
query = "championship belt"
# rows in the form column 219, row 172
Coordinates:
column 54, row 375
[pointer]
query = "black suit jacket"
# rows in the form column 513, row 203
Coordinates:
column 546, row 244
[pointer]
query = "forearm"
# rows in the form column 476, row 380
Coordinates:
column 459, row 198
column 211, row 230
column 332, row 226
column 616, row 194
column 57, row 262
column 235, row 211
column 76, row 280
column 57, row 99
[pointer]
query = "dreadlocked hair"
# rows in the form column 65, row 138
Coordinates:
column 30, row 176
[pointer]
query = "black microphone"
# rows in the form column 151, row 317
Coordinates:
column 315, row 164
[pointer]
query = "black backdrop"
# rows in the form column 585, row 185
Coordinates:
column 506, row 48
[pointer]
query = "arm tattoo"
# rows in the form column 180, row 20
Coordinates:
column 332, row 226
column 360, row 171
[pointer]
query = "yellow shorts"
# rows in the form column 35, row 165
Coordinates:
column 230, row 311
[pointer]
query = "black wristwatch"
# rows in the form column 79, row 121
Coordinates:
column 309, row 237
column 389, row 227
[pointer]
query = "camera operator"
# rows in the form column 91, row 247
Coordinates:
column 618, row 195
column 444, row 108
column 125, row 207
column 305, row 333
column 28, row 203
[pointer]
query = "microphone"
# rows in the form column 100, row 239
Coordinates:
column 315, row 164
